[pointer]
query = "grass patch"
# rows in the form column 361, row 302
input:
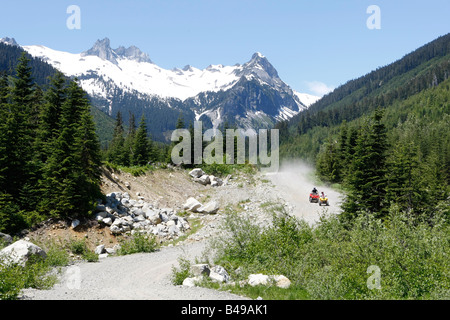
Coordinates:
column 137, row 243
column 195, row 225
column 180, row 274
column 135, row 171
column 80, row 248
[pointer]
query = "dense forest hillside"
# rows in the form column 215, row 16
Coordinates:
column 384, row 137
column 424, row 68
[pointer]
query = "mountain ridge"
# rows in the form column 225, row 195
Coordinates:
column 125, row 79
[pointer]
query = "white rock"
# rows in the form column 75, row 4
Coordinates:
column 20, row 251
column 192, row 204
column 100, row 249
column 258, row 279
column 191, row 282
column 75, row 223
column 204, row 179
column 196, row 173
column 211, row 207
column 282, row 281
column 200, row 269
column 108, row 221
column 222, row 272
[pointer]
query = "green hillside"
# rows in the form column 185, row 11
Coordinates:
column 384, row 137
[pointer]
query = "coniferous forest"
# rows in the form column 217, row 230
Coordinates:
column 50, row 154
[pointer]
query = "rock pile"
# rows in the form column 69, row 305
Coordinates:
column 220, row 275
column 201, row 177
column 194, row 205
column 123, row 214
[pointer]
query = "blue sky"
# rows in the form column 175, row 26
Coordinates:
column 314, row 45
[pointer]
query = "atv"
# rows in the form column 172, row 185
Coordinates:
column 314, row 197
column 323, row 200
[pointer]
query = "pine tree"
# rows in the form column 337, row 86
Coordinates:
column 71, row 174
column 19, row 131
column 88, row 146
column 129, row 140
column 4, row 106
column 367, row 178
column 403, row 187
column 180, row 122
column 117, row 153
column 54, row 97
column 141, row 146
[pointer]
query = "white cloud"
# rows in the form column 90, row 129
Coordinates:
column 319, row 88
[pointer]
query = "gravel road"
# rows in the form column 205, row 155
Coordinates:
column 147, row 276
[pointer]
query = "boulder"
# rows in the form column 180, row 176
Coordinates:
column 191, row 282
column 5, row 238
column 196, row 173
column 192, row 204
column 75, row 223
column 200, row 269
column 281, row 281
column 258, row 279
column 219, row 274
column 173, row 230
column 210, row 208
column 100, row 249
column 20, row 251
column 108, row 221
column 115, row 229
column 204, row 179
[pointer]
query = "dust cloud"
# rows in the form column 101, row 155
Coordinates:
column 294, row 181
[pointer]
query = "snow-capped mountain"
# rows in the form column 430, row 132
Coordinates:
column 249, row 95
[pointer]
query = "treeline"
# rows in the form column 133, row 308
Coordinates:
column 49, row 151
column 133, row 146
column 398, row 156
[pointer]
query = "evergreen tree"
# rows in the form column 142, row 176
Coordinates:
column 129, row 140
column 88, row 146
column 367, row 178
column 141, row 146
column 117, row 153
column 71, row 173
column 403, row 187
column 180, row 122
column 54, row 97
column 18, row 131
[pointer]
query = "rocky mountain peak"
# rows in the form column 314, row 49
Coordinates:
column 102, row 49
column 133, row 53
column 9, row 41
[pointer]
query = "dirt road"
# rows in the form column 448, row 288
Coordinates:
column 294, row 182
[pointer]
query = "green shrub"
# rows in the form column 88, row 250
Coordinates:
column 178, row 275
column 331, row 261
column 138, row 243
column 79, row 247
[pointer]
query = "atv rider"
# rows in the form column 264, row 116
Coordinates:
column 314, row 191
column 322, row 195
